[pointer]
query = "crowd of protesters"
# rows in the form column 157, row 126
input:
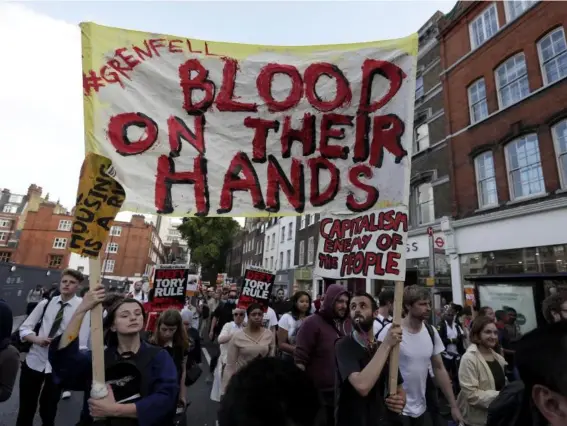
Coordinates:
column 299, row 362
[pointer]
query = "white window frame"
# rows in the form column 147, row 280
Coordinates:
column 281, row 260
column 473, row 85
column 15, row 199
column 302, row 222
column 288, row 259
column 509, row 171
column 517, row 80
column 268, row 243
column 558, row 153
column 479, row 181
column 8, row 208
column 418, row 209
column 479, row 17
column 112, row 248
column 108, row 265
column 312, row 218
column 301, row 260
column 4, row 223
column 115, row 231
column 416, row 146
column 310, row 250
column 557, row 55
column 272, row 263
column 60, row 243
column 290, row 231
column 65, row 225
column 273, row 240
column 3, row 236
column 419, row 90
column 283, row 233
column 508, row 13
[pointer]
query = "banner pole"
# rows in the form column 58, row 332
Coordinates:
column 395, row 353
column 98, row 389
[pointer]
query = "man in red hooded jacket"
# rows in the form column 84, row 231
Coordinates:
column 315, row 344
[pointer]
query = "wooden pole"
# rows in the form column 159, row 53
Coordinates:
column 395, row 353
column 98, row 389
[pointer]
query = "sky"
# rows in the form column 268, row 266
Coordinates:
column 41, row 130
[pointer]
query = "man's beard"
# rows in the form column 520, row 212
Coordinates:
column 364, row 325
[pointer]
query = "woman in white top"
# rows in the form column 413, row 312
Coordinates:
column 224, row 339
column 290, row 323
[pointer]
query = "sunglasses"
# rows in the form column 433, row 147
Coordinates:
column 238, row 315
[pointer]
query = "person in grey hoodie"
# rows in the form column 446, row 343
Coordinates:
column 315, row 345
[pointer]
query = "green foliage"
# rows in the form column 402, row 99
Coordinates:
column 210, row 241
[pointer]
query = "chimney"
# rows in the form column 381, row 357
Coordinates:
column 34, row 190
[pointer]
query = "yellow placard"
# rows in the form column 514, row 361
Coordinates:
column 99, row 200
column 430, row 281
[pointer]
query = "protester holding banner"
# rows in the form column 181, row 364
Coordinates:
column 171, row 335
column 138, row 292
column 291, row 322
column 224, row 338
column 152, row 387
column 251, row 342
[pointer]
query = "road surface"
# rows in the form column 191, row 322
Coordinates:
column 201, row 412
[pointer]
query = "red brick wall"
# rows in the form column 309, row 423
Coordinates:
column 133, row 248
column 36, row 239
column 534, row 113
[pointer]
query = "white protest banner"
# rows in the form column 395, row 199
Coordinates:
column 224, row 129
column 367, row 245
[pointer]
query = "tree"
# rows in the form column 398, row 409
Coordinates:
column 210, row 241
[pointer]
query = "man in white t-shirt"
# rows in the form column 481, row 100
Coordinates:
column 417, row 352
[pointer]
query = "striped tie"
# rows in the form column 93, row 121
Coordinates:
column 58, row 320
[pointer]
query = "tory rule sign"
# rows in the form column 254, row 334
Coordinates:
column 193, row 127
column 169, row 286
column 257, row 288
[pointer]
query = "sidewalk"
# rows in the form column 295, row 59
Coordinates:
column 17, row 322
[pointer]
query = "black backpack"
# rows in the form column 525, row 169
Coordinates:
column 25, row 346
column 506, row 409
column 205, row 311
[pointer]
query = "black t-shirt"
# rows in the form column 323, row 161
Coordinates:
column 223, row 314
column 281, row 307
column 353, row 409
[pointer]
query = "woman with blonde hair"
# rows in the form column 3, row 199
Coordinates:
column 481, row 373
column 228, row 330
column 170, row 334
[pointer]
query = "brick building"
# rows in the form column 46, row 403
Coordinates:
column 505, row 89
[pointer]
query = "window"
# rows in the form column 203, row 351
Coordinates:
column 552, row 51
column 283, row 234
column 115, row 231
column 559, row 132
column 313, row 219
column 17, row 199
column 272, row 262
column 266, row 262
column 307, row 219
column 5, row 256
column 484, row 26
column 281, row 264
column 290, row 232
column 424, row 207
column 421, row 138
column 60, row 243
column 486, row 180
column 525, row 175
column 55, row 261
column 288, row 259
column 310, row 250
column 108, row 265
column 10, row 209
column 477, row 101
column 273, row 240
column 302, row 224
column 4, row 223
column 64, row 225
column 516, row 7
column 268, row 243
column 419, row 87
column 512, row 80
column 112, row 248
column 301, row 253
column 3, row 236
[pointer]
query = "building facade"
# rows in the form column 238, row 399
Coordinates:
column 285, row 263
column 505, row 90
column 131, row 250
column 253, row 243
column 233, row 265
column 306, row 239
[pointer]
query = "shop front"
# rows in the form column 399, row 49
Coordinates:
column 510, row 258
column 303, row 280
column 284, row 280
